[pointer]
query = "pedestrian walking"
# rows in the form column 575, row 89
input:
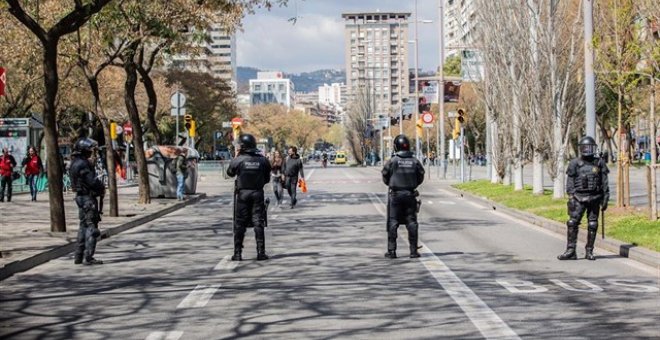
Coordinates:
column 403, row 173
column 292, row 170
column 252, row 172
column 181, row 174
column 276, row 164
column 33, row 168
column 7, row 164
column 588, row 191
column 87, row 187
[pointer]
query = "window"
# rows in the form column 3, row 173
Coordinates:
column 270, row 87
column 257, row 87
column 281, row 87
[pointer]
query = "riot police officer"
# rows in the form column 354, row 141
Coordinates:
column 252, row 172
column 588, row 191
column 87, row 187
column 402, row 174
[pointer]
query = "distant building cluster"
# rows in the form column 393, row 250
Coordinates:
column 272, row 88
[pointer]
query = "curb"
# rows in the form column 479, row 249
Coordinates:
column 633, row 252
column 53, row 253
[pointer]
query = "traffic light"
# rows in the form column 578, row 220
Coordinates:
column 457, row 129
column 113, row 130
column 187, row 119
column 462, row 115
column 192, row 132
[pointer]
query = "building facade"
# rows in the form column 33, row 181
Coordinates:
column 334, row 94
column 272, row 88
column 460, row 24
column 376, row 54
column 216, row 56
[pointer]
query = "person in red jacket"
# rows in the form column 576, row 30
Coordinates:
column 33, row 167
column 7, row 164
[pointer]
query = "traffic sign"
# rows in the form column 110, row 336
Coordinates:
column 427, row 117
column 237, row 121
column 226, row 124
column 178, row 100
column 180, row 112
column 427, row 125
column 3, row 81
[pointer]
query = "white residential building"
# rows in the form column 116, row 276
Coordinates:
column 334, row 94
column 272, row 87
column 460, row 24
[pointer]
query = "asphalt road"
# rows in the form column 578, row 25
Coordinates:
column 481, row 275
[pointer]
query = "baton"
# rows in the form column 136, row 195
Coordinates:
column 602, row 230
column 266, row 204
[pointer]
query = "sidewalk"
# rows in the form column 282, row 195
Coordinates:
column 26, row 240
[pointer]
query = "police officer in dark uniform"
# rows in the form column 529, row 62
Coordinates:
column 253, row 172
column 87, row 187
column 402, row 174
column 588, row 191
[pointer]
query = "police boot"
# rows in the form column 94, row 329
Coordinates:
column 571, row 235
column 237, row 254
column 261, row 251
column 591, row 239
column 261, row 244
column 391, row 254
column 78, row 260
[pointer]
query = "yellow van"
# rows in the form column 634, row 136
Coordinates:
column 340, row 158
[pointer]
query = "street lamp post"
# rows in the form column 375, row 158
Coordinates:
column 440, row 132
column 417, row 146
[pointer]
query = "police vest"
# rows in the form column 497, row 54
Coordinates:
column 588, row 179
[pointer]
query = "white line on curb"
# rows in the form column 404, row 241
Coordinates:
column 487, row 322
column 199, row 297
column 173, row 335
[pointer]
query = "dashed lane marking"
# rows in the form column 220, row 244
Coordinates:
column 482, row 317
column 173, row 335
column 199, row 297
column 226, row 264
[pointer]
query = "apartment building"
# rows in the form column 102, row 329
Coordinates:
column 272, row 87
column 376, row 55
column 334, row 94
column 460, row 24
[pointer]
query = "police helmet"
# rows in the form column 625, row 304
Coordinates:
column 401, row 143
column 85, row 145
column 587, row 146
column 247, row 142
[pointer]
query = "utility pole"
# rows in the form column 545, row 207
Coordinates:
column 417, row 145
column 589, row 78
column 654, row 156
column 440, row 132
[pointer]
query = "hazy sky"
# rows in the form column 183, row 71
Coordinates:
column 270, row 41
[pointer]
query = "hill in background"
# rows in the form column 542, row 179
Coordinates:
column 303, row 82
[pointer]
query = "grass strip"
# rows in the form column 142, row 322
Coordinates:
column 626, row 226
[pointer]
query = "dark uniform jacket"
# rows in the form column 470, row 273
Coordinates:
column 587, row 179
column 83, row 178
column 252, row 169
column 403, row 172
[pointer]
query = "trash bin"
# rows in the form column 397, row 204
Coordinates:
column 647, row 158
column 161, row 167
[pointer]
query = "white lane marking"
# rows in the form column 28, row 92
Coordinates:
column 446, row 202
column 309, row 174
column 482, row 317
column 199, row 297
column 226, row 264
column 350, row 176
column 592, row 287
column 430, row 202
column 173, row 335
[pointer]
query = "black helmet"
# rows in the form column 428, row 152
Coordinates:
column 247, row 142
column 587, row 146
column 85, row 145
column 401, row 143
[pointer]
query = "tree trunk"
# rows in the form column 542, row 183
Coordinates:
column 538, row 173
column 55, row 185
column 129, row 98
column 153, row 104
